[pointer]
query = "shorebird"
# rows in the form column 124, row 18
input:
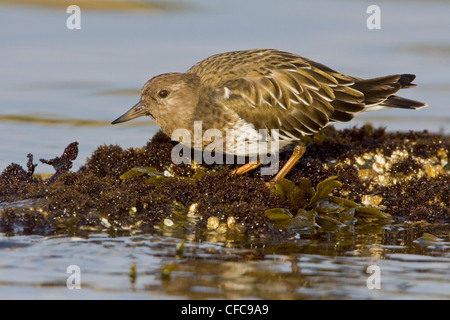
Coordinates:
column 250, row 90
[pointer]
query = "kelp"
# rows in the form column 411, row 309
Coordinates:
column 153, row 175
column 322, row 211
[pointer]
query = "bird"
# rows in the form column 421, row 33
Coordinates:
column 263, row 89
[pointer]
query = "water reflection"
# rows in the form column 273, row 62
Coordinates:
column 132, row 267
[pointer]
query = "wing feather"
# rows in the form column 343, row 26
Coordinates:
column 271, row 89
column 284, row 92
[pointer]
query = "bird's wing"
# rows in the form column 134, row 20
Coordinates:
column 287, row 92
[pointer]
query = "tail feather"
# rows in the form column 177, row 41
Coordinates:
column 404, row 103
column 406, row 79
column 379, row 93
column 376, row 90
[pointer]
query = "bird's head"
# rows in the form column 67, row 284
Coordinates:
column 168, row 98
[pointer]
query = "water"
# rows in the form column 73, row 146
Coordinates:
column 59, row 85
column 36, row 267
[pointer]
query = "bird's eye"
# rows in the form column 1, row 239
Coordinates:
column 163, row 94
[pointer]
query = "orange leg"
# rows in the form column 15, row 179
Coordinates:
column 298, row 152
column 246, row 167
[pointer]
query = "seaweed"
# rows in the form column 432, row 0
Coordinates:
column 347, row 179
column 61, row 164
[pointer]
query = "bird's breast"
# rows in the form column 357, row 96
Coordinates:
column 239, row 138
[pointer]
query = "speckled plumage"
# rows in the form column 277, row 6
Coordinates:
column 264, row 89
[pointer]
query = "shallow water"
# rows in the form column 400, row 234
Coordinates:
column 132, row 267
column 59, row 85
